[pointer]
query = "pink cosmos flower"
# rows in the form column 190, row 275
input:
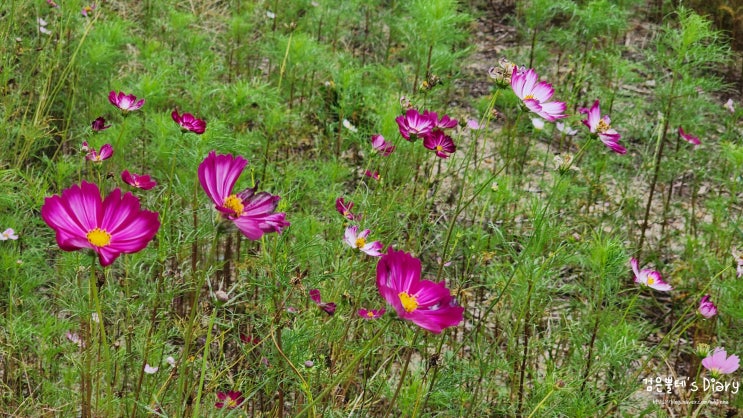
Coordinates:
column 125, row 102
column 252, row 213
column 729, row 106
column 536, row 95
column 358, row 240
column 328, row 307
column 688, row 137
column 706, row 308
column 649, row 278
column 718, row 363
column 345, row 209
column 427, row 304
column 473, row 124
column 441, row 143
column 8, row 234
column 371, row 313
column 601, row 126
column 372, row 174
column 249, row 339
column 143, row 182
column 444, row 123
column 99, row 124
column 379, row 144
column 106, row 152
column 87, row 10
column 189, row 123
column 413, row 125
column 231, row 399
column 109, row 227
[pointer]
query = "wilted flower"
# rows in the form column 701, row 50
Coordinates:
column 718, row 363
column 503, row 72
column 729, row 106
column 689, row 138
column 565, row 129
column 345, row 209
column 150, row 369
column 8, row 234
column 371, row 313
column 189, row 123
column 249, row 339
column 348, row 125
column 99, row 124
column 379, row 144
column 231, row 399
column 703, row 350
column 252, row 213
column 706, row 308
column 170, row 360
column 425, row 303
column 106, row 152
column 125, row 102
column 439, row 142
column 88, row 10
column 143, row 182
column 649, row 278
column 358, row 240
column 328, row 307
column 601, row 126
column 111, row 226
column 536, row 95
column 564, row 162
column 413, row 125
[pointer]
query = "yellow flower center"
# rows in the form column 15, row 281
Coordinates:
column 235, row 203
column 409, row 303
column 439, row 148
column 529, row 96
column 98, row 237
column 370, row 314
column 360, row 242
column 231, row 403
column 651, row 281
column 602, row 126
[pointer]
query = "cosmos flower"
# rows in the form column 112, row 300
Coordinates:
column 649, row 278
column 125, row 102
column 328, row 307
column 729, row 106
column 536, row 95
column 688, row 137
column 538, row 123
column 413, row 125
column 718, row 363
column 565, row 129
column 444, row 123
column 372, row 174
column 357, row 240
column 601, row 126
column 99, row 124
column 107, row 151
column 231, row 399
column 425, row 303
column 88, row 10
column 348, row 125
column 252, row 213
column 371, row 313
column 345, row 209
column 143, row 182
column 8, row 234
column 706, row 308
column 110, row 227
column 150, row 369
column 473, row 124
column 379, row 144
column 738, row 255
column 189, row 123
column 439, row 142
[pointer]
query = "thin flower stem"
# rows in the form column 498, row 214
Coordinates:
column 204, row 360
column 305, row 386
column 403, row 373
column 539, row 405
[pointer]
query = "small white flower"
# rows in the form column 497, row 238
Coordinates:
column 270, row 14
column 149, row 369
column 94, row 317
column 565, row 129
column 729, row 106
column 538, row 123
column 349, row 126
column 170, row 360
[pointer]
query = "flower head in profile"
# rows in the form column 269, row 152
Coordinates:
column 718, row 363
column 357, row 240
column 439, row 142
column 99, row 124
column 348, row 125
column 143, row 182
column 445, row 122
column 88, row 10
column 649, row 278
column 601, row 126
column 729, row 106
column 150, row 369
column 372, row 174
column 106, row 152
column 110, row 227
column 688, row 137
column 536, row 94
column 379, row 144
column 231, row 399
column 370, row 314
column 189, row 123
column 413, row 125
column 565, row 129
column 706, row 308
column 425, row 303
column 537, row 123
column 503, row 72
column 328, row 307
column 344, row 208
column 8, row 234
column 252, row 213
column 125, row 102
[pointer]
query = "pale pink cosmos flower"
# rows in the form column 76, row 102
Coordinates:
column 413, row 125
column 8, row 234
column 718, row 363
column 706, row 308
column 649, row 278
column 328, row 307
column 538, row 123
column 473, row 124
column 357, row 240
column 150, row 369
column 439, row 142
column 379, row 144
column 143, row 182
column 125, row 102
column 738, row 255
column 536, row 95
column 688, row 137
column 601, row 126
column 370, row 314
column 106, row 152
column 189, row 123
column 729, row 106
column 565, row 129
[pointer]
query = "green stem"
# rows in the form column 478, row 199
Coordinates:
column 402, row 373
column 204, row 360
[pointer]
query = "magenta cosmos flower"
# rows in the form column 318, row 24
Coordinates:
column 231, row 399
column 536, row 95
column 328, row 307
column 106, row 152
column 689, row 138
column 427, row 304
column 413, row 125
column 125, row 102
column 372, row 174
column 601, row 126
column 99, row 124
column 706, row 308
column 189, row 123
column 718, row 363
column 649, row 278
column 369, row 314
column 252, row 213
column 344, row 208
column 143, row 182
column 110, row 227
column 358, row 240
column 444, row 123
column 379, row 144
column 439, row 142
